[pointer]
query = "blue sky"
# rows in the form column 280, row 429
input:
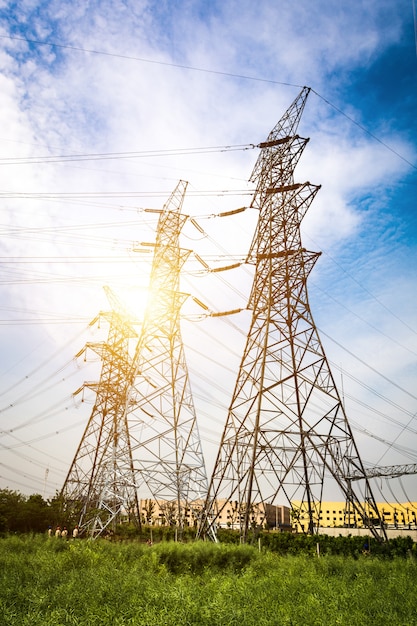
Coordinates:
column 137, row 77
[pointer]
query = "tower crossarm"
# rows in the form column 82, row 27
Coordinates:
column 390, row 471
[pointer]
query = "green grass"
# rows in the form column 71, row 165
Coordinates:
column 53, row 583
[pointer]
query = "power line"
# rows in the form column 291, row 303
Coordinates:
column 216, row 72
column 124, row 155
column 203, row 193
column 369, row 366
column 151, row 61
column 397, row 437
column 46, row 362
column 365, row 130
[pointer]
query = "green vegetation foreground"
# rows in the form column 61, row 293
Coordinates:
column 52, row 582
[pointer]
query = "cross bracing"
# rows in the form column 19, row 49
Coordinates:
column 142, row 437
column 100, row 486
column 286, row 434
column 163, row 429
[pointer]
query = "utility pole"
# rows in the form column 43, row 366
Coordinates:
column 286, row 435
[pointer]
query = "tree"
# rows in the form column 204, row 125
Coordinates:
column 36, row 514
column 21, row 514
column 11, row 510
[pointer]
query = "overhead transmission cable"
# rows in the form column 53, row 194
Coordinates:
column 408, row 452
column 391, row 382
column 406, row 495
column 219, row 73
column 120, row 194
column 395, row 499
column 56, row 408
column 45, row 362
column 43, row 454
column 69, row 158
column 18, row 482
column 365, row 130
column 366, row 290
column 365, row 321
column 144, row 60
column 405, row 427
column 387, row 417
column 35, row 393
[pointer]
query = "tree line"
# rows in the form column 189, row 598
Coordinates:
column 34, row 514
column 22, row 514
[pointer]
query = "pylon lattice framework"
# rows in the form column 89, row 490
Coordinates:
column 163, row 429
column 100, row 485
column 142, row 437
column 286, row 433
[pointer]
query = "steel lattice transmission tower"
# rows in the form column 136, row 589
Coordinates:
column 100, row 486
column 163, row 428
column 286, row 434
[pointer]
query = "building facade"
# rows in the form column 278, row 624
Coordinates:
column 337, row 515
column 331, row 515
column 163, row 513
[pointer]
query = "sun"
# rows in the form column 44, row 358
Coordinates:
column 130, row 302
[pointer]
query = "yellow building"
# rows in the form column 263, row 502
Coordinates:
column 166, row 513
column 279, row 517
column 230, row 514
column 335, row 514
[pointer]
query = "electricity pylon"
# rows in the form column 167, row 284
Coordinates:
column 100, row 486
column 166, row 445
column 286, row 434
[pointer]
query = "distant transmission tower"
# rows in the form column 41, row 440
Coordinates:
column 162, row 420
column 286, row 434
column 142, row 433
column 100, row 486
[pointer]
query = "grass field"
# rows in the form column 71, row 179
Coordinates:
column 52, row 582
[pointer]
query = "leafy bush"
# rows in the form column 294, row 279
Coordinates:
column 198, row 557
column 287, row 543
